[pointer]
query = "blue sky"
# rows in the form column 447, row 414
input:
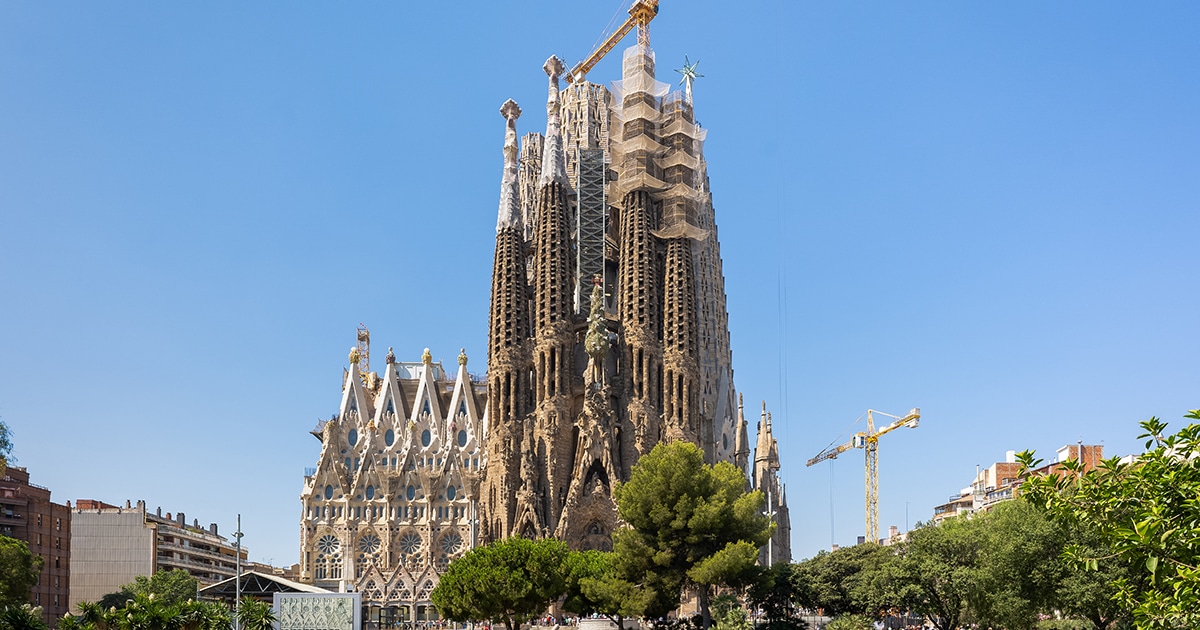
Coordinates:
column 987, row 210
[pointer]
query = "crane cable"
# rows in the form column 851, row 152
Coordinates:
column 608, row 27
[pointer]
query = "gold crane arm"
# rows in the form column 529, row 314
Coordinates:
column 640, row 15
column 832, row 453
column 911, row 421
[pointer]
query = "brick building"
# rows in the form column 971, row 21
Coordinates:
column 28, row 514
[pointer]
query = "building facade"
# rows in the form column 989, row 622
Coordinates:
column 1002, row 480
column 607, row 335
column 612, row 201
column 113, row 545
column 28, row 514
column 393, row 496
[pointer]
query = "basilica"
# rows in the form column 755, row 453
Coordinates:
column 608, row 334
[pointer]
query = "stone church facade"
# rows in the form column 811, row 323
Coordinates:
column 608, row 334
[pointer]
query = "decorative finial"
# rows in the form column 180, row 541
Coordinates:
column 371, row 426
column 355, row 357
column 689, row 76
column 510, row 197
column 462, row 356
column 554, row 69
column 391, row 356
column 427, row 358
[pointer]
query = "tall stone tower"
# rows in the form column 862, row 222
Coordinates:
column 766, row 480
column 607, row 223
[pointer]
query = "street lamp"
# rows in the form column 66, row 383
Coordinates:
column 770, row 514
column 237, row 577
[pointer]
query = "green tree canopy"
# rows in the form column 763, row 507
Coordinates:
column 19, row 571
column 169, row 587
column 5, row 447
column 936, row 572
column 513, row 580
column 1145, row 512
column 843, row 581
column 775, row 593
column 593, row 587
column 690, row 524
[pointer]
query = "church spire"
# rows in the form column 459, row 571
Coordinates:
column 510, row 196
column 741, row 449
column 554, row 167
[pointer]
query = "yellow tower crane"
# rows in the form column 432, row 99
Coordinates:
column 869, row 440
column 640, row 15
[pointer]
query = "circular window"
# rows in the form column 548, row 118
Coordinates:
column 370, row 492
column 410, row 543
column 451, row 543
column 450, row 492
column 389, row 438
column 352, row 438
column 426, row 437
column 368, row 543
column 328, row 544
column 412, row 492
column 462, row 438
column 328, row 492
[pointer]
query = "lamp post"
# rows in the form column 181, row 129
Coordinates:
column 770, row 514
column 237, row 577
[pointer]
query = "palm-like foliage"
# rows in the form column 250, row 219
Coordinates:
column 255, row 615
column 146, row 612
column 21, row 618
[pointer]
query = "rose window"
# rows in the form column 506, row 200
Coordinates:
column 410, row 543
column 328, row 544
column 368, row 543
column 451, row 543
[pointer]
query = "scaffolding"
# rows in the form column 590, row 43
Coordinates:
column 589, row 237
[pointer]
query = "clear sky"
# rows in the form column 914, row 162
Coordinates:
column 987, row 210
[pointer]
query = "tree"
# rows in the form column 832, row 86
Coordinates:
column 843, row 581
column 1019, row 566
column 255, row 615
column 169, row 587
column 513, row 579
column 593, row 587
column 19, row 571
column 1146, row 512
column 936, row 571
column 775, row 594
column 728, row 614
column 5, row 447
column 690, row 525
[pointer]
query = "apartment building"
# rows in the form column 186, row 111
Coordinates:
column 28, row 514
column 113, row 545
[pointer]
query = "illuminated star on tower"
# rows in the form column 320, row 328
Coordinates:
column 689, row 75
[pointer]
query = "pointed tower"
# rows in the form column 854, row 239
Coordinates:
column 553, row 330
column 510, row 396
column 766, row 480
column 741, row 452
column 640, row 280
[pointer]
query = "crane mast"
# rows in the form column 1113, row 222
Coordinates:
column 640, row 15
column 869, row 441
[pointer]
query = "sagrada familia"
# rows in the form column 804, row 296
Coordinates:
column 608, row 334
